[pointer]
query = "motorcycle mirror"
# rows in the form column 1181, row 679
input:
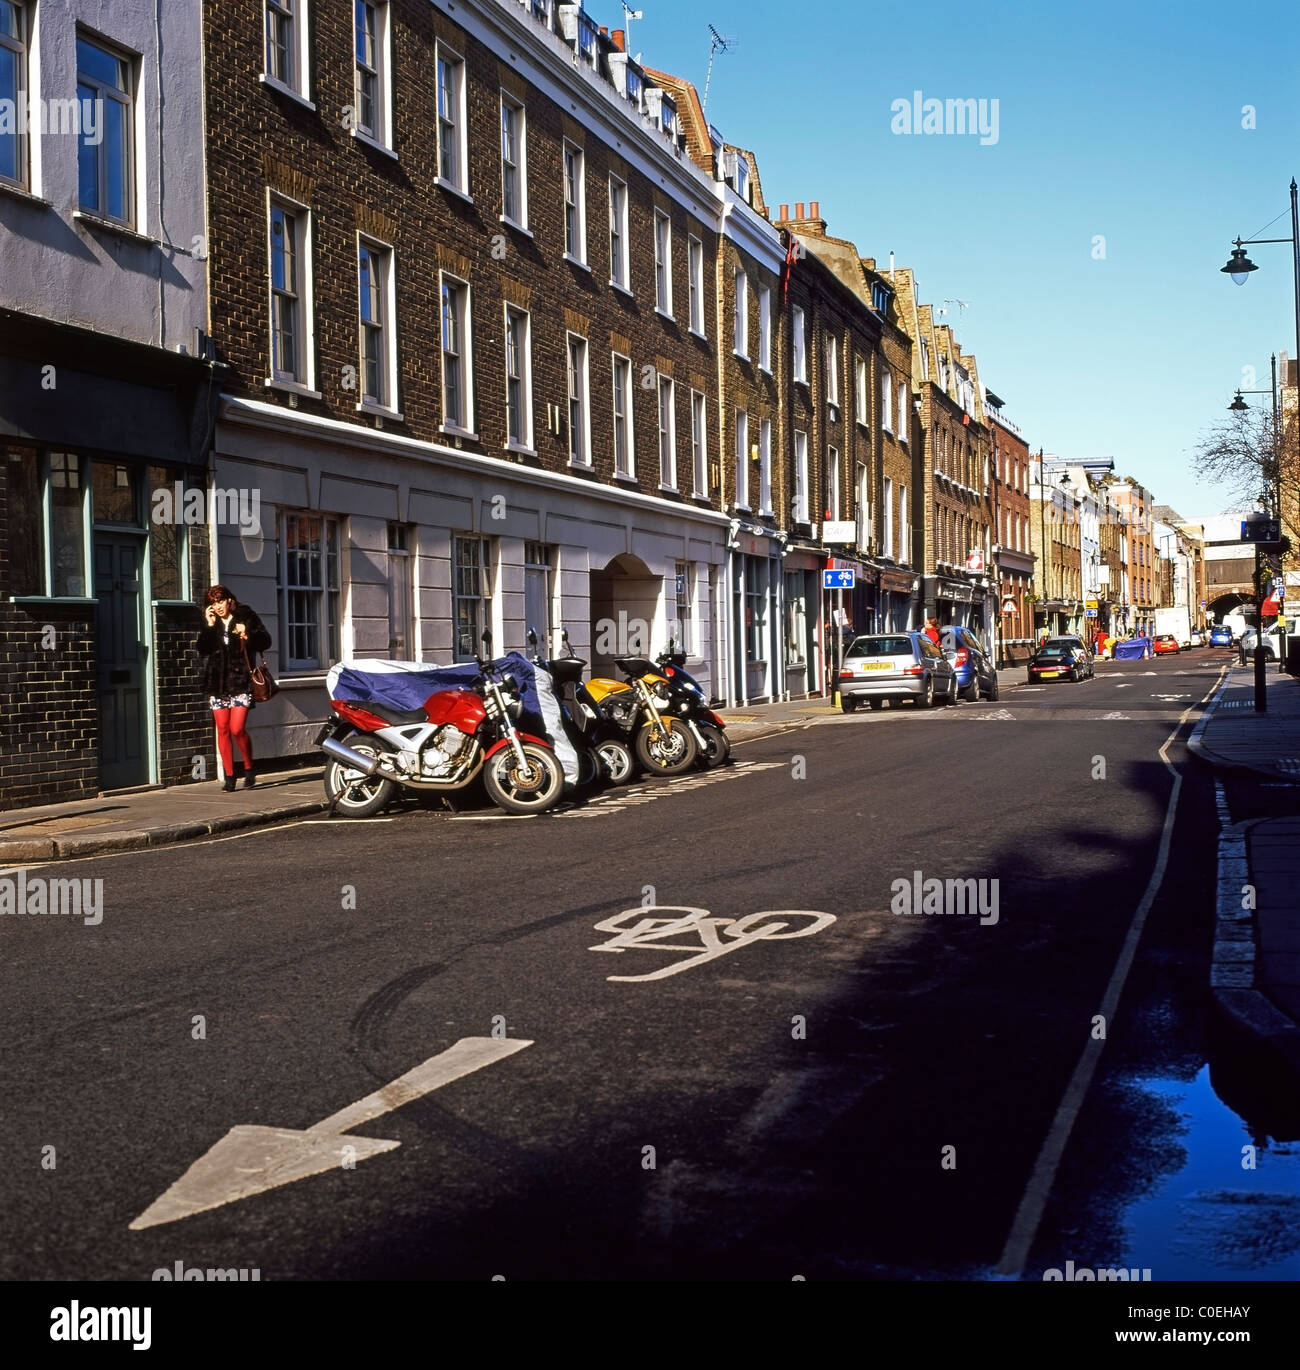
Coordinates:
column 532, row 637
column 486, row 639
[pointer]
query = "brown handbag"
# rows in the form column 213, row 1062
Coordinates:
column 264, row 686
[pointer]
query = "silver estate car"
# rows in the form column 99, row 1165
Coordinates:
column 904, row 665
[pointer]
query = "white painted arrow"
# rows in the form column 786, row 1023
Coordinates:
column 249, row 1159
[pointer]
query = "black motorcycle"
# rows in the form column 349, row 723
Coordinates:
column 602, row 750
column 688, row 701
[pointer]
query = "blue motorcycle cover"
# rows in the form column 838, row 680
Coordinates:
column 407, row 684
column 1133, row 649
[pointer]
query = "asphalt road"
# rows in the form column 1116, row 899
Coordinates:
column 869, row 1100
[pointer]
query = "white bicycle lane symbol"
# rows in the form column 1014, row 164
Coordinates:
column 650, row 928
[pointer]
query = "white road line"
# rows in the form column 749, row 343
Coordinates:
column 1038, row 1191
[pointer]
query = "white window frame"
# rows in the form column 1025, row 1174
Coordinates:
column 324, row 590
column 700, row 443
column 578, row 385
column 904, row 414
column 575, row 209
column 765, row 328
column 126, row 98
column 667, row 432
column 294, row 16
column 695, row 266
column 462, row 424
column 742, row 459
column 620, row 268
column 21, row 47
column 381, row 134
column 863, row 388
column 765, row 466
column 451, row 118
column 887, row 532
column 862, row 511
column 904, row 528
column 799, row 344
column 663, row 231
column 522, row 348
column 384, row 255
column 887, row 401
column 622, row 395
column 833, row 482
column 831, row 348
column 304, row 375
column 519, row 169
column 799, row 502
column 741, row 321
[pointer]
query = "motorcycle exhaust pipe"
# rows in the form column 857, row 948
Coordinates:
column 356, row 761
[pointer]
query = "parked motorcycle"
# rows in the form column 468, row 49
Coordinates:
column 691, row 703
column 466, row 725
column 602, row 750
column 641, row 707
column 685, row 702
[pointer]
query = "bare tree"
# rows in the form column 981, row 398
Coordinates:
column 1244, row 455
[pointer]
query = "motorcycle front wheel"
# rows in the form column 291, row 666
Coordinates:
column 532, row 788
column 666, row 749
column 353, row 794
column 616, row 761
column 716, row 746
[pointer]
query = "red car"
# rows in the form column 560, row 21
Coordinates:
column 1166, row 642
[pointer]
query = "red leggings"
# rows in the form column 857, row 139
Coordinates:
column 230, row 724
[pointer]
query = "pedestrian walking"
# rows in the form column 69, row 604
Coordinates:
column 231, row 638
column 932, row 631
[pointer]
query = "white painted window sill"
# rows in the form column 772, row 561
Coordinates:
column 575, row 465
column 519, row 448
column 510, row 223
column 379, row 411
column 695, row 333
column 22, row 193
column 374, row 143
column 113, row 226
column 622, row 289
column 272, row 84
column 291, row 387
column 664, row 314
column 452, row 189
column 573, row 261
column 454, row 430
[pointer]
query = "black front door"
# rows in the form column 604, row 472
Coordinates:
column 123, row 661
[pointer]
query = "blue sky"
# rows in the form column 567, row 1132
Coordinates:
column 1113, row 120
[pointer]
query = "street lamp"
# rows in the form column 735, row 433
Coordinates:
column 1239, row 406
column 1239, row 267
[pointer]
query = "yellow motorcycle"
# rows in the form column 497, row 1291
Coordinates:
column 664, row 743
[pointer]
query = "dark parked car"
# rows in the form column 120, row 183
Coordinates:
column 1072, row 640
column 906, row 665
column 1059, row 660
column 976, row 674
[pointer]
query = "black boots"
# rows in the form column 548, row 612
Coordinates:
column 228, row 785
column 250, row 778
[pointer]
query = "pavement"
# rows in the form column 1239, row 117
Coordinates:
column 1255, row 975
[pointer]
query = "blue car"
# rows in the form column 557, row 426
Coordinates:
column 1220, row 635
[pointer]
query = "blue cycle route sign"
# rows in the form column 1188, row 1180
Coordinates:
column 837, row 580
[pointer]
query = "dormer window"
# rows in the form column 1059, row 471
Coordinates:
column 542, row 11
column 742, row 177
column 879, row 298
column 668, row 117
column 635, row 85
column 586, row 40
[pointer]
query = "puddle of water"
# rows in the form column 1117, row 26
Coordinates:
column 1213, row 1219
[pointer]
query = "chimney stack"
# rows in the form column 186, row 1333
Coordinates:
column 784, row 212
column 618, row 38
column 814, row 210
column 798, row 209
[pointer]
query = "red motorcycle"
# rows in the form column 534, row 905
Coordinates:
column 459, row 731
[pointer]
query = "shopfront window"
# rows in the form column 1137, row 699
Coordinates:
column 756, row 579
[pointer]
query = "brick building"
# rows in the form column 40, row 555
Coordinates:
column 1054, row 533
column 1013, row 558
column 462, row 271
column 104, row 404
column 1135, row 503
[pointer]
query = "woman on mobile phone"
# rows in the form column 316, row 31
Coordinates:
column 231, row 637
